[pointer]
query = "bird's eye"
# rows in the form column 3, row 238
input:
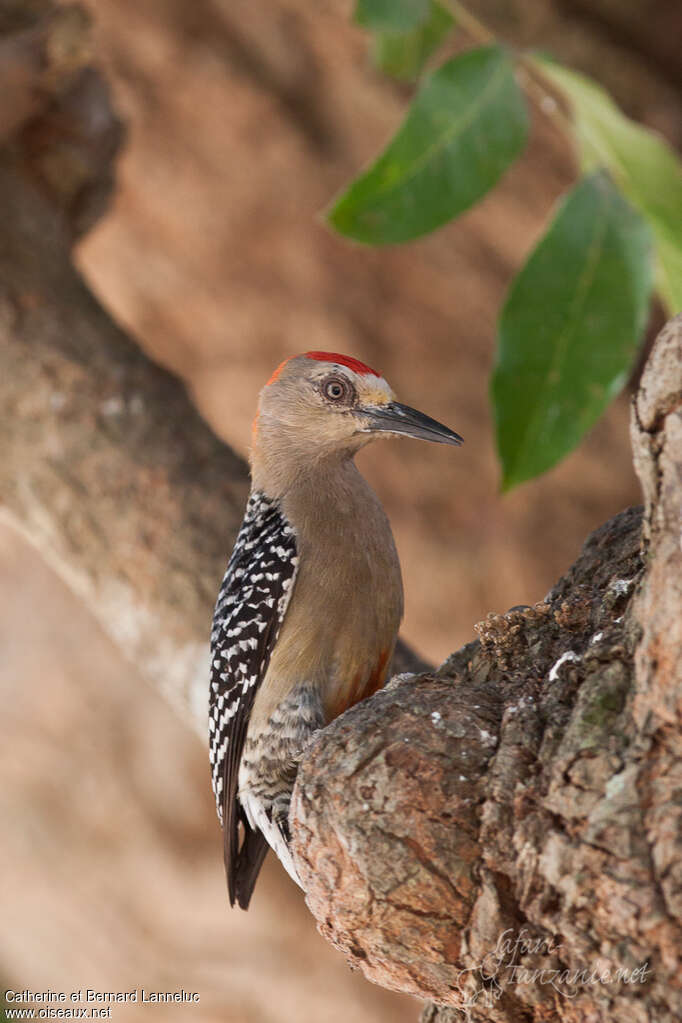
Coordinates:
column 336, row 389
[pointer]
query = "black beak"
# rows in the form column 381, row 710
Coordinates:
column 401, row 419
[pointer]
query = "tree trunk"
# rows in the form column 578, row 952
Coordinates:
column 504, row 836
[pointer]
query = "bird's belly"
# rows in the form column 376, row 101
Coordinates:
column 341, row 670
column 343, row 689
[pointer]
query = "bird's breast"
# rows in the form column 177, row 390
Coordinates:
column 342, row 621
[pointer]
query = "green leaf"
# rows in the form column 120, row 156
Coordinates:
column 391, row 15
column 640, row 162
column 403, row 54
column 570, row 328
column 466, row 125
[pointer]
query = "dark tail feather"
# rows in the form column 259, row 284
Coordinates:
column 250, row 860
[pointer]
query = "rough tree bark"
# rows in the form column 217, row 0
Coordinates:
column 517, row 810
column 504, row 836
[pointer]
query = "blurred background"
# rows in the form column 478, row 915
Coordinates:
column 244, row 119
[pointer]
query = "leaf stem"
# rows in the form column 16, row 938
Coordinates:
column 545, row 93
column 542, row 92
column 470, row 23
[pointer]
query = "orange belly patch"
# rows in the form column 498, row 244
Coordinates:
column 360, row 687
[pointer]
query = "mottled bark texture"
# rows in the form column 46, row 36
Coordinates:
column 106, row 466
column 504, row 836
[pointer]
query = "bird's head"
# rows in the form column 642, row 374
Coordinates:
column 320, row 404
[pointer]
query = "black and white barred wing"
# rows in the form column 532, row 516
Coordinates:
column 249, row 611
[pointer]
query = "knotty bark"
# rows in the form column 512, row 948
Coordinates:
column 504, row 836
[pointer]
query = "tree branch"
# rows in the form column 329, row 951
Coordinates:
column 107, row 466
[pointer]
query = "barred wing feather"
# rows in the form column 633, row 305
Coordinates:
column 251, row 605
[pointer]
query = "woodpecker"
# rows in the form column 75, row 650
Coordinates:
column 308, row 611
